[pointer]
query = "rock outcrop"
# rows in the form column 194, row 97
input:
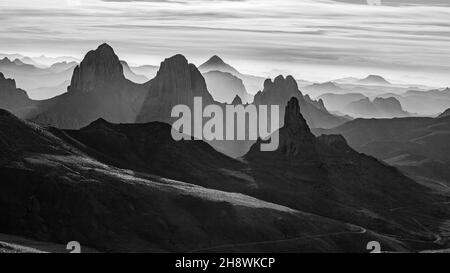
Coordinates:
column 100, row 68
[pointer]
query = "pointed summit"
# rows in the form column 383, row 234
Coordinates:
column 293, row 119
column 445, row 114
column 215, row 63
column 99, row 68
column 295, row 137
column 237, row 100
column 215, row 60
column 5, row 60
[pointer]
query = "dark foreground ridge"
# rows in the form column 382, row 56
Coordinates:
column 130, row 187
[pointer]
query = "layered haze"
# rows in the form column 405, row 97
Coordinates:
column 405, row 41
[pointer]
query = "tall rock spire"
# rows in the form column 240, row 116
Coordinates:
column 99, row 68
column 177, row 82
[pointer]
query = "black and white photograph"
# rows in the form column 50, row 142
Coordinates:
column 253, row 127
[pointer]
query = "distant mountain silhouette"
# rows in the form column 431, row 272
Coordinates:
column 430, row 102
column 30, row 77
column 279, row 91
column 215, row 63
column 317, row 89
column 378, row 108
column 374, row 80
column 149, row 71
column 98, row 89
column 13, row 99
column 252, row 83
column 131, row 75
column 339, row 102
column 62, row 66
column 224, row 87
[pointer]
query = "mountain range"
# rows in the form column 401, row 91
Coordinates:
column 100, row 87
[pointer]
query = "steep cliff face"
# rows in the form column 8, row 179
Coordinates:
column 279, row 91
column 98, row 89
column 177, row 82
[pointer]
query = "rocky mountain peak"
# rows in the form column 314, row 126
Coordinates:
column 177, row 82
column 5, row 60
column 445, row 114
column 237, row 100
column 282, row 85
column 99, row 68
column 215, row 60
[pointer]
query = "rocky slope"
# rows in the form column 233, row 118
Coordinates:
column 52, row 191
column 418, row 146
column 320, row 176
column 328, row 177
column 446, row 113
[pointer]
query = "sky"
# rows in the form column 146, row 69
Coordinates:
column 318, row 40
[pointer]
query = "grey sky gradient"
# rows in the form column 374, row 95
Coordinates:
column 311, row 39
